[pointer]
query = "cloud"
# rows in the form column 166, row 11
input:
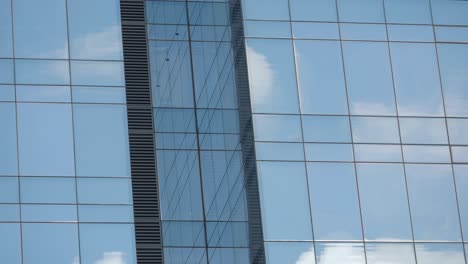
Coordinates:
column 102, row 44
column 115, row 257
column 261, row 77
column 373, row 108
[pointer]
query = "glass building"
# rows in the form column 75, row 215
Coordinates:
column 234, row 131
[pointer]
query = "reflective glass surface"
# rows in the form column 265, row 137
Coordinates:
column 10, row 243
column 8, row 151
column 290, row 252
column 438, row 252
column 320, row 10
column 6, row 42
column 328, row 253
column 402, row 253
column 47, row 190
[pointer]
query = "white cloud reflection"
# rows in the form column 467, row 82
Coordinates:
column 261, row 77
column 112, row 258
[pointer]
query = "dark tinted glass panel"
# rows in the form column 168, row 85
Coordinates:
column 95, row 31
column 10, row 243
column 45, row 140
column 40, row 29
column 185, row 255
column 184, row 234
column 8, row 155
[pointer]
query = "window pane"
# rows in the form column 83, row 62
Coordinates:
column 272, row 75
column 255, row 9
column 440, row 253
column 328, row 253
column 98, row 95
column 48, row 213
column 384, row 202
column 101, row 140
column 185, row 255
column 9, row 190
column 408, row 12
column 453, row 59
column 382, row 153
column 318, row 10
column 45, row 140
column 267, row 29
column 7, row 93
column 452, row 34
column 97, row 73
column 450, row 12
column 335, row 207
column 458, row 129
column 166, row 12
column 184, row 234
column 42, row 241
column 277, row 128
column 289, row 252
column 410, row 33
column 319, row 65
column 368, row 77
column 390, row 253
column 423, row 131
column 284, row 199
column 461, row 179
column 377, row 32
column 8, row 160
column 101, row 243
column 329, row 152
column 433, row 202
column 96, row 38
column 6, row 71
column 326, row 128
column 40, row 29
column 9, row 213
column 460, row 154
column 42, row 72
column 430, row 154
column 10, row 243
column 417, row 83
column 279, row 151
column 375, row 130
column 59, row 94
column 361, row 11
column 314, row 30
column 104, row 191
column 47, row 190
column 106, row 213
column 6, row 42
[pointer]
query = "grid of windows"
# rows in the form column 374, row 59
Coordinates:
column 360, row 119
column 65, row 189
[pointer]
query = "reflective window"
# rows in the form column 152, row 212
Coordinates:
column 97, row 73
column 384, row 202
column 40, row 29
column 95, row 33
column 185, row 255
column 460, row 154
column 272, row 75
column 284, row 199
column 9, row 190
column 335, row 207
column 375, row 130
column 361, row 11
column 368, row 77
column 319, row 65
column 208, row 13
column 228, row 255
column 45, row 140
column 450, row 12
column 289, row 252
column 401, row 253
column 174, row 120
column 430, row 154
column 410, row 33
column 382, row 153
column 328, row 253
column 329, row 152
column 458, row 129
column 10, row 243
column 184, row 234
column 101, row 140
column 314, row 30
column 98, row 95
column 408, row 12
column 47, row 190
column 41, row 241
column 104, row 191
column 7, row 93
column 318, row 10
column 277, row 128
column 59, row 94
column 452, row 34
column 440, row 253
column 6, row 42
column 6, row 71
column 279, row 151
column 42, row 72
column 326, row 128
column 166, row 12
column 433, row 202
column 48, row 213
column 461, row 180
column 8, row 160
column 267, row 29
column 218, row 121
column 417, row 83
column 105, row 213
column 377, row 32
column 423, row 131
column 255, row 9
column 101, row 243
column 453, row 59
column 9, row 213
column 227, row 234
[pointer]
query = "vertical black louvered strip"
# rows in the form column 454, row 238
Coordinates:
column 141, row 133
column 257, row 249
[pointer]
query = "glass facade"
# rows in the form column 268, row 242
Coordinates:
column 360, row 128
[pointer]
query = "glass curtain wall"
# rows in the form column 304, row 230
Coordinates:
column 361, row 124
column 65, row 190
column 200, row 170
